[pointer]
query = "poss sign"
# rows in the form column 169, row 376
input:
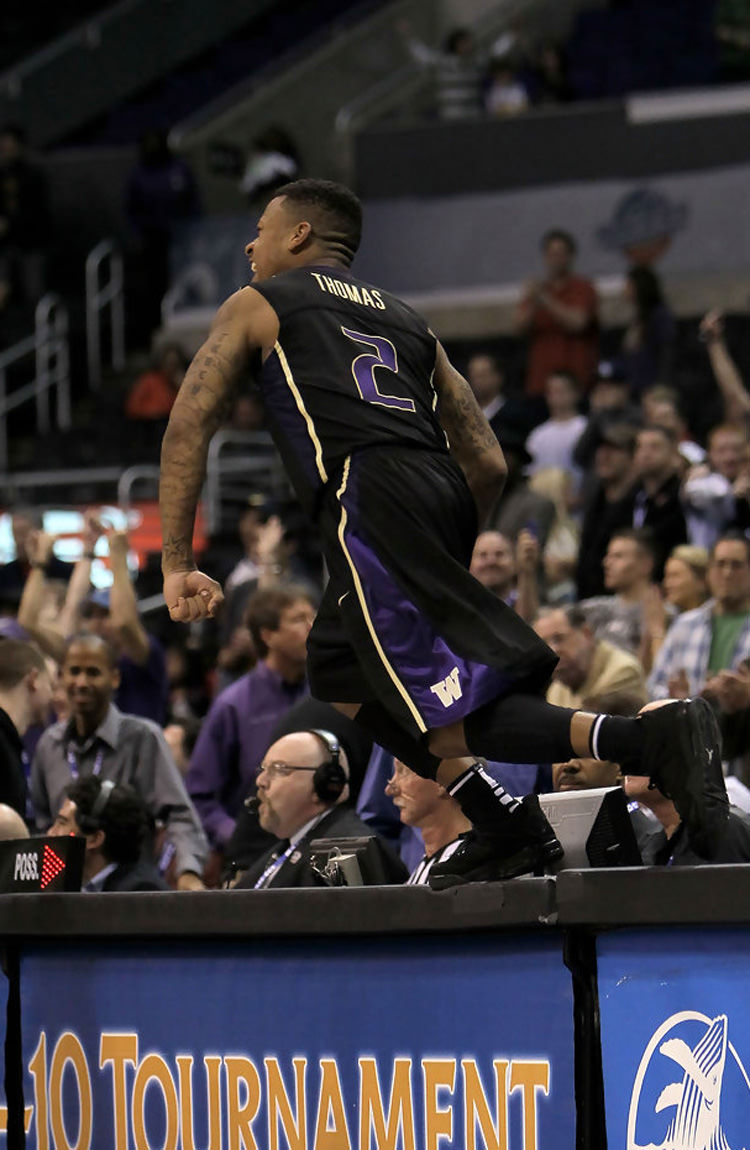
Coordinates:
column 28, row 866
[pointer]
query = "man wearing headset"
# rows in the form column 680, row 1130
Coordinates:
column 303, row 785
column 114, row 821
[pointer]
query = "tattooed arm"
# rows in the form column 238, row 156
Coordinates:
column 472, row 442
column 243, row 324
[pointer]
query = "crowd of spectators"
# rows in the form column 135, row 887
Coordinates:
column 621, row 537
column 607, row 51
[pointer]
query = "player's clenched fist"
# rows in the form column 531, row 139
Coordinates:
column 191, row 595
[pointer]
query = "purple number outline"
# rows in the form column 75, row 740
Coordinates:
column 363, row 370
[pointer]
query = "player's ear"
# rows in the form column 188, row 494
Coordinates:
column 301, row 235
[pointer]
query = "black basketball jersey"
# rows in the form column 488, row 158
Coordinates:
column 352, row 369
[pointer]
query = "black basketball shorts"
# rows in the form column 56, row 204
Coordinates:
column 402, row 621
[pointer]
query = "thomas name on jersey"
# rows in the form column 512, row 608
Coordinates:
column 350, row 291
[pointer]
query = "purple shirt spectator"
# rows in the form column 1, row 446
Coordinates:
column 144, row 687
column 234, row 737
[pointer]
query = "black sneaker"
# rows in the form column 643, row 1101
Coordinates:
column 682, row 757
column 526, row 845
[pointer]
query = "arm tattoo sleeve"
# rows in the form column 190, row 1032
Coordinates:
column 469, row 433
column 202, row 405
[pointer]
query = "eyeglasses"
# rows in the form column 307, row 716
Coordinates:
column 281, row 770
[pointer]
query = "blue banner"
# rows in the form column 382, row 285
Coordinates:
column 675, row 1026
column 368, row 1044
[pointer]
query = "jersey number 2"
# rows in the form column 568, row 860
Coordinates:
column 363, row 369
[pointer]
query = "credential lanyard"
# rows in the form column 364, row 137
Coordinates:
column 273, row 866
column 73, row 762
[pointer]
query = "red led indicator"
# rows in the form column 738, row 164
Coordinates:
column 52, row 866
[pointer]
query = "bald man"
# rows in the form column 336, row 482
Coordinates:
column 303, row 788
column 12, row 825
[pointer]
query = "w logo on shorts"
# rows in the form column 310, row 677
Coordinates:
column 448, row 690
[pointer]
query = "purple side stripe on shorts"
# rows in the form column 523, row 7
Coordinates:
column 444, row 686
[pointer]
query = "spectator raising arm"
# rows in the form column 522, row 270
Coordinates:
column 123, row 605
column 79, row 583
column 735, row 395
column 34, row 598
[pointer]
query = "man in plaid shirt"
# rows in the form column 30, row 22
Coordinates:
column 713, row 638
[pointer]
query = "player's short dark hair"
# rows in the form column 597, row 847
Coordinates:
column 17, row 658
column 561, row 235
column 335, row 210
column 264, row 608
column 124, row 818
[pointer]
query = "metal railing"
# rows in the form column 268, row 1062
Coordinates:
column 256, row 461
column 104, row 258
column 50, row 348
column 138, row 473
column 24, row 486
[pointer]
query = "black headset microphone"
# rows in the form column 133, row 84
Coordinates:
column 91, row 822
column 329, row 778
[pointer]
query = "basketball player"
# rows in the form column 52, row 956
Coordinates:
column 390, row 454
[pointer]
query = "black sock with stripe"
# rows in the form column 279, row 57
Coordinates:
column 616, row 739
column 482, row 799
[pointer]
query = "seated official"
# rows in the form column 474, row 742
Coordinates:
column 375, row 805
column 114, row 821
column 425, row 805
column 585, row 775
column 307, row 714
column 302, row 787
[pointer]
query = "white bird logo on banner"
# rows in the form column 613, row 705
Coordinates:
column 695, row 1099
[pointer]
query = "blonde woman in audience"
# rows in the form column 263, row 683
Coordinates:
column 560, row 554
column 685, row 587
